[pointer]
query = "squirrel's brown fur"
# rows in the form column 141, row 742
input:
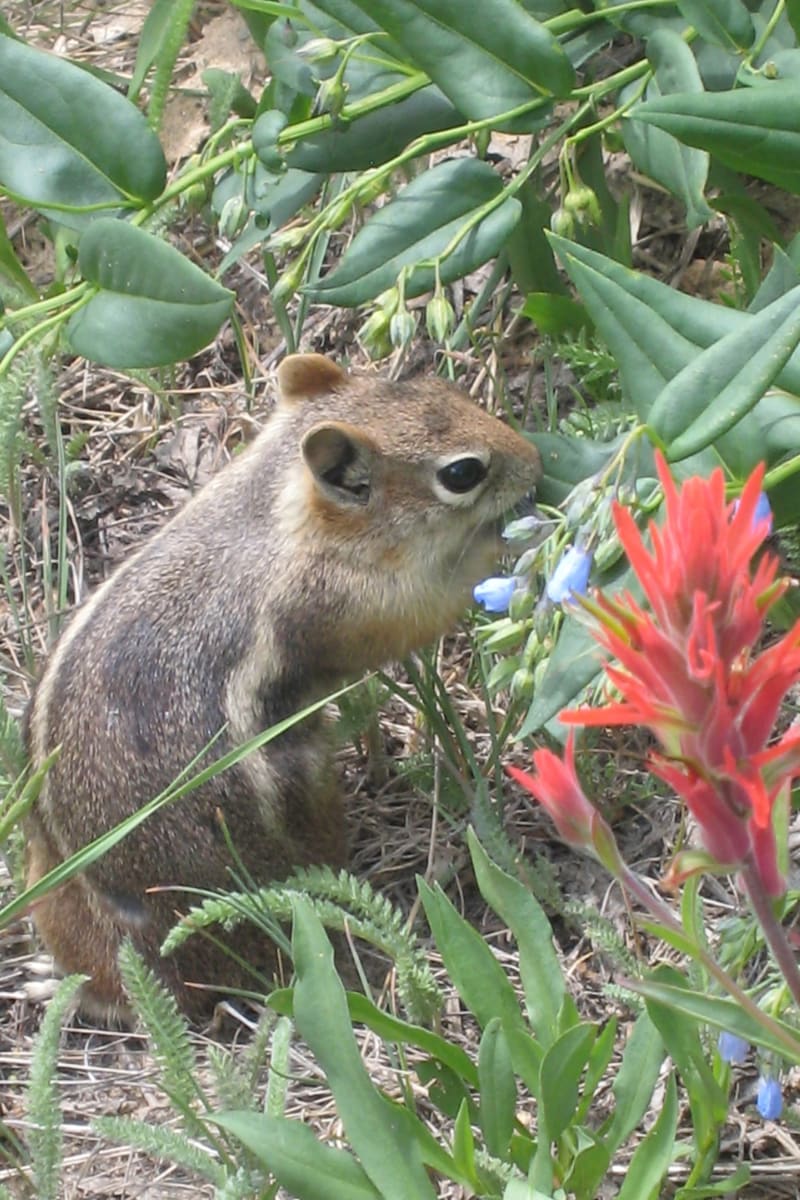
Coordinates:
column 330, row 546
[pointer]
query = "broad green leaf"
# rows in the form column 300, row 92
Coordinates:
column 66, row 138
column 11, row 267
column 778, row 1037
column 459, row 42
column 307, row 1168
column 754, row 130
column 153, row 307
column 392, row 1029
column 567, row 461
column 376, row 137
column 478, row 977
column 654, row 339
column 553, row 313
column 647, row 349
column 527, row 1056
column 653, row 1156
column 418, row 225
column 749, row 226
column 709, row 1101
column 575, row 662
column 562, row 1067
column 542, row 979
column 530, row 257
column 782, row 276
column 725, row 23
column 635, row 1080
column 377, row 1132
column 718, row 387
column 681, row 169
column 265, row 132
column 588, row 1168
column 498, row 1089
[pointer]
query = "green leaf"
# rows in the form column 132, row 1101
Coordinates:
column 542, row 979
column 66, row 138
column 575, row 662
column 654, row 338
column 679, row 168
column 392, row 1029
column 635, row 1080
column 458, row 42
column 777, row 1037
column 725, row 23
column 11, row 267
column 419, row 224
column 498, row 1089
column 265, row 134
column 480, row 980
column 562, row 1068
column 653, row 1156
column 647, row 349
column 754, row 130
column 554, row 314
column 304, row 1166
column 710, row 395
column 567, row 461
column 378, row 1133
column 376, row 137
column 464, row 1142
column 153, row 307
column 155, row 32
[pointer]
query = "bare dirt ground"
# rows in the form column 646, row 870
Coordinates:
column 146, row 449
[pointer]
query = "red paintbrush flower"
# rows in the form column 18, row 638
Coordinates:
column 556, row 786
column 684, row 667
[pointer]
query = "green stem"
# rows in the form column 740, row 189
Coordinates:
column 761, row 41
column 43, row 306
column 665, row 916
column 772, row 929
column 569, row 21
column 34, row 332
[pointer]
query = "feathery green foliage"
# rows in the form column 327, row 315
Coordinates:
column 160, row 1142
column 43, row 1104
column 168, row 1034
column 341, row 901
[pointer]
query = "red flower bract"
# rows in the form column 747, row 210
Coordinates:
column 685, row 669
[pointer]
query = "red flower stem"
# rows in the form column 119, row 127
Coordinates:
column 665, row 916
column 773, row 931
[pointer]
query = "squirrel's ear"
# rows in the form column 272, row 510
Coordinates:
column 340, row 458
column 302, row 376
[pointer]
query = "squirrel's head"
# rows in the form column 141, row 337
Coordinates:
column 406, row 479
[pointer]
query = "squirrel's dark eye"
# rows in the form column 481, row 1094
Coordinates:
column 462, row 475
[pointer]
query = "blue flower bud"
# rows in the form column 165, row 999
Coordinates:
column 495, row 594
column 570, row 576
column 769, row 1100
column 732, row 1049
column 762, row 512
column 523, row 528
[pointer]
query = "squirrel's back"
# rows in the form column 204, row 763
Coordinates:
column 348, row 533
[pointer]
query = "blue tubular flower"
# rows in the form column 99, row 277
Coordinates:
column 732, row 1049
column 769, row 1099
column 495, row 594
column 570, row 576
column 763, row 511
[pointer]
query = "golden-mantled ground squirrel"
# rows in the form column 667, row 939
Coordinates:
column 348, row 533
